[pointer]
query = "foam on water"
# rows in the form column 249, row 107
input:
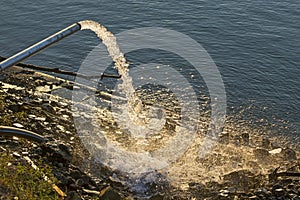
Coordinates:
column 235, row 153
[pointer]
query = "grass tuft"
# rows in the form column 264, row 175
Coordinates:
column 24, row 182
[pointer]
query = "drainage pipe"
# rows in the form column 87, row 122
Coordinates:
column 39, row 46
column 11, row 131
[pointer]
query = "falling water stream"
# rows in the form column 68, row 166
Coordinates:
column 107, row 142
column 110, row 41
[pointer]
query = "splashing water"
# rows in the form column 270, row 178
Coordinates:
column 130, row 115
column 133, row 107
column 232, row 154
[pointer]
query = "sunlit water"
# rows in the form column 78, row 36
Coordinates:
column 255, row 45
column 129, row 149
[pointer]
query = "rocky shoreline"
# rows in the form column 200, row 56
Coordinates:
column 28, row 100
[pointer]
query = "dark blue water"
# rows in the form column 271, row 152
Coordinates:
column 255, row 44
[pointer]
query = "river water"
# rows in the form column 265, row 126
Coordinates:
column 255, row 45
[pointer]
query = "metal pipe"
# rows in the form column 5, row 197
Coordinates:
column 11, row 131
column 39, row 46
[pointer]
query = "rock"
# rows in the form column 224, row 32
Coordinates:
column 109, row 194
column 2, row 149
column 289, row 154
column 75, row 174
column 245, row 138
column 242, row 179
column 75, row 87
column 261, row 153
column 48, row 108
column 275, row 146
column 85, row 180
column 60, row 165
column 266, row 144
column 73, row 196
column 73, row 186
column 64, row 147
column 91, row 191
column 60, row 153
column 293, row 196
column 16, row 107
column 276, row 186
column 18, row 125
column 15, row 138
column 70, row 180
column 275, row 151
column 63, row 181
column 254, row 197
column 279, row 192
column 79, row 182
column 40, row 118
column 224, row 193
column 262, row 192
column 15, row 154
column 224, row 138
column 91, row 187
column 32, row 116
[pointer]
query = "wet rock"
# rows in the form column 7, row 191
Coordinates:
column 32, row 116
column 18, row 125
column 80, row 182
column 57, row 152
column 91, row 187
column 266, row 144
column 254, row 197
column 17, row 155
column 47, row 107
column 262, row 193
column 91, row 191
column 2, row 149
column 224, row 193
column 73, row 196
column 86, row 180
column 40, row 119
column 279, row 192
column 110, row 194
column 73, row 186
column 75, row 174
column 60, row 165
column 242, row 179
column 245, row 138
column 261, row 153
column 293, row 196
column 224, row 138
column 64, row 147
column 16, row 107
column 70, row 180
column 289, row 154
column 63, row 181
column 275, row 151
column 275, row 146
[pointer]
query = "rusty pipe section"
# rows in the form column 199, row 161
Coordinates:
column 30, row 51
column 11, row 131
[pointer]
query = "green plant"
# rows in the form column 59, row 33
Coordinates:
column 25, row 182
column 21, row 116
column 1, row 104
